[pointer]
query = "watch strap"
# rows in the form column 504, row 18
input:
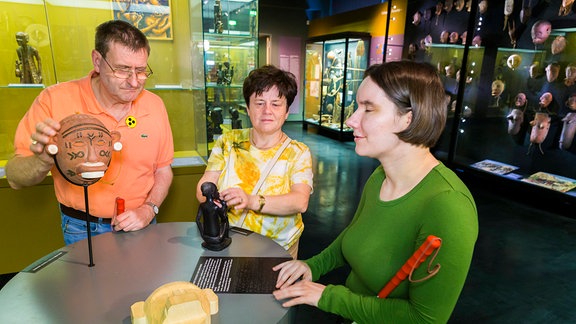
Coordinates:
column 262, row 201
column 155, row 208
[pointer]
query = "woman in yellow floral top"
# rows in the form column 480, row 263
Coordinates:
column 240, row 156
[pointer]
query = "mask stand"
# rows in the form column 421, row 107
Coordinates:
column 88, row 229
column 76, row 125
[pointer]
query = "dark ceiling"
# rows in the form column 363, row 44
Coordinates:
column 291, row 4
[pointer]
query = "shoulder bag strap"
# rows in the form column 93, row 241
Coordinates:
column 265, row 173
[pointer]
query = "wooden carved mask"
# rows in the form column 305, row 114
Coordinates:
column 82, row 148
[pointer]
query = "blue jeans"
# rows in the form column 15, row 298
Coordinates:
column 75, row 230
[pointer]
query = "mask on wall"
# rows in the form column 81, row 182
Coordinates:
column 448, row 5
column 520, row 101
column 444, row 37
column 552, row 72
column 416, row 18
column 82, row 149
column 482, row 6
column 541, row 31
column 514, row 61
column 545, row 100
column 516, row 116
column 508, row 8
column 459, row 5
column 540, row 126
column 570, row 73
column 565, row 8
column 568, row 131
column 468, row 5
column 534, row 70
column 515, row 120
column 571, row 102
column 558, row 45
column 497, row 88
column 454, row 37
column 477, row 40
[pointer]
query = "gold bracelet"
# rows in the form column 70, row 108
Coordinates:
column 262, row 203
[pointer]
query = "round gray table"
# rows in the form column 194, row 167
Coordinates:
column 62, row 288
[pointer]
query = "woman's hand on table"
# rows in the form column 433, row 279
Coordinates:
column 290, row 286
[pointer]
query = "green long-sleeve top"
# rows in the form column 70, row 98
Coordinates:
column 383, row 235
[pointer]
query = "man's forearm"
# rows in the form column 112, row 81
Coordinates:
column 26, row 171
column 162, row 181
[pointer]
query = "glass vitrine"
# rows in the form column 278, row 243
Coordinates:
column 514, row 120
column 230, row 31
column 335, row 66
column 524, row 124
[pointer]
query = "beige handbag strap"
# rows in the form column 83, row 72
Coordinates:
column 265, row 173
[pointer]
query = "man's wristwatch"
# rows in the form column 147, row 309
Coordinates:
column 155, row 208
column 262, row 201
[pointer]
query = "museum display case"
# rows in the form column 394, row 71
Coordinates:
column 514, row 117
column 230, row 31
column 335, row 66
column 437, row 35
column 175, row 32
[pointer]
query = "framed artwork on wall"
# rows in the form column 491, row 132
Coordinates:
column 153, row 18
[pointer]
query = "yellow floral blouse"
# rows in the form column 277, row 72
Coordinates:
column 241, row 165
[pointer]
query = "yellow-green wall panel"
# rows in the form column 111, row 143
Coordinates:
column 31, row 218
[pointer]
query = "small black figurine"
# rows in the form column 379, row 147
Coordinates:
column 235, row 115
column 212, row 219
column 217, row 120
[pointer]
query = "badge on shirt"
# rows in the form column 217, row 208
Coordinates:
column 131, row 121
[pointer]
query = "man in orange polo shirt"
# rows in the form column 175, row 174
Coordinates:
column 114, row 93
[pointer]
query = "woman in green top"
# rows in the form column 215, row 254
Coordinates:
column 401, row 114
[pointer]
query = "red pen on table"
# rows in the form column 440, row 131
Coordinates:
column 431, row 244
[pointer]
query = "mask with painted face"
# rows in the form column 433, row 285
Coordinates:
column 82, row 149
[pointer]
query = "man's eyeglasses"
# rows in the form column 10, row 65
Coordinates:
column 127, row 73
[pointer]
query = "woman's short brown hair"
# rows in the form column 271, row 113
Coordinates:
column 267, row 76
column 414, row 87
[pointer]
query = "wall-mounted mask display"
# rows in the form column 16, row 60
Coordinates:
column 521, row 70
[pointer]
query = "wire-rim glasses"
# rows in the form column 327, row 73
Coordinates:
column 127, row 73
